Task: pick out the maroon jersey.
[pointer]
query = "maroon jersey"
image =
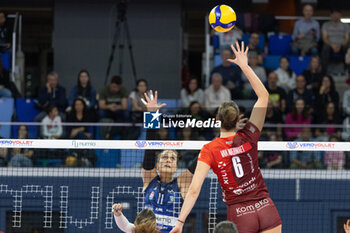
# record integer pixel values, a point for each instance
(235, 161)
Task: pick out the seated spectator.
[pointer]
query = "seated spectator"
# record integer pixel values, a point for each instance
(346, 101)
(228, 38)
(4, 156)
(306, 33)
(254, 48)
(83, 90)
(334, 160)
(306, 159)
(314, 74)
(299, 115)
(326, 93)
(5, 34)
(329, 116)
(345, 135)
(51, 94)
(300, 92)
(273, 116)
(113, 100)
(51, 124)
(286, 77)
(216, 93)
(273, 159)
(225, 227)
(335, 36)
(21, 157)
(231, 74)
(276, 94)
(191, 93)
(258, 70)
(79, 114)
(135, 96)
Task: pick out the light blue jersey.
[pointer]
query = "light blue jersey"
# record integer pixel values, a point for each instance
(165, 201)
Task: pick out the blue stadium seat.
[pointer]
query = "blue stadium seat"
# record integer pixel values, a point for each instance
(280, 44)
(299, 63)
(170, 103)
(107, 158)
(6, 60)
(26, 112)
(272, 62)
(217, 60)
(261, 45)
(131, 158)
(7, 109)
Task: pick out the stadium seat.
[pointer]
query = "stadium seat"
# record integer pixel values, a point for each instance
(261, 45)
(170, 103)
(217, 60)
(131, 158)
(272, 62)
(280, 44)
(7, 109)
(107, 158)
(26, 112)
(299, 63)
(6, 60)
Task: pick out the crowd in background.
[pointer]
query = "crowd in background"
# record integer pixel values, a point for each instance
(309, 98)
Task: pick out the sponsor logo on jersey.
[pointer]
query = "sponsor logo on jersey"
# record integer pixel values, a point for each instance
(242, 188)
(252, 208)
(151, 196)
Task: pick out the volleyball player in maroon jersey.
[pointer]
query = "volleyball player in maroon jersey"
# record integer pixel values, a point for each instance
(234, 159)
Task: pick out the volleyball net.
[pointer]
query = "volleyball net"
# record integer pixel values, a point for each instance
(71, 185)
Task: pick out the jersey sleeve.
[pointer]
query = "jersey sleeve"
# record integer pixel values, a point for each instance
(205, 156)
(251, 132)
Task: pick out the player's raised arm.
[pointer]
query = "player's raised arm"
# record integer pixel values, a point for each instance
(259, 111)
(148, 166)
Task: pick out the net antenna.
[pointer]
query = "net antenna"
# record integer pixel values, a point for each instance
(122, 35)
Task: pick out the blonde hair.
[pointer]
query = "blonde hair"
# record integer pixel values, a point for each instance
(228, 115)
(145, 222)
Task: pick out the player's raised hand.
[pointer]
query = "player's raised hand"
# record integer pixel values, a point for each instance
(151, 101)
(240, 53)
(117, 209)
(347, 226)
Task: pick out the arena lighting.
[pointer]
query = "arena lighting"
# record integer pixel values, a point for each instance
(345, 20)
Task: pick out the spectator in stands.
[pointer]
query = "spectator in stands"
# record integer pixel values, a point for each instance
(4, 156)
(329, 116)
(4, 92)
(346, 101)
(230, 37)
(83, 90)
(345, 135)
(79, 114)
(334, 160)
(113, 100)
(306, 159)
(5, 33)
(306, 33)
(273, 116)
(326, 93)
(299, 115)
(51, 94)
(259, 71)
(135, 96)
(335, 36)
(300, 92)
(225, 227)
(231, 74)
(191, 93)
(51, 124)
(21, 157)
(187, 134)
(216, 93)
(277, 94)
(314, 74)
(273, 159)
(254, 48)
(286, 77)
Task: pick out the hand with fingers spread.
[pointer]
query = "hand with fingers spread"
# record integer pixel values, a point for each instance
(347, 226)
(117, 209)
(241, 55)
(151, 101)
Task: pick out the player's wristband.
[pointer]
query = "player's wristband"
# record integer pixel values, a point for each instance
(193, 165)
(181, 221)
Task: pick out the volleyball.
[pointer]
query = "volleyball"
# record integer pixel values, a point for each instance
(222, 18)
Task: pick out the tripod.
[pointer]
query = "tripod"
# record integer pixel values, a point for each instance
(122, 33)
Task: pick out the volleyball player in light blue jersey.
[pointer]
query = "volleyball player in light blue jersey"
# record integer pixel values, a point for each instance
(163, 192)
